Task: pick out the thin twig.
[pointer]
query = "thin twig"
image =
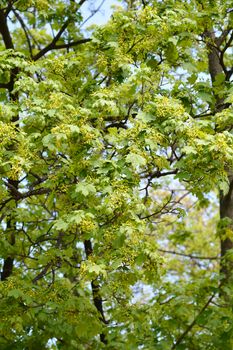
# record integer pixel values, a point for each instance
(189, 255)
(189, 328)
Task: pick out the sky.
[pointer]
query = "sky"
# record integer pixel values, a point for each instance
(101, 16)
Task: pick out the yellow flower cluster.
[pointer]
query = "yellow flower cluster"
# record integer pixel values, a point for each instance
(220, 142)
(55, 100)
(41, 4)
(87, 225)
(166, 108)
(7, 133)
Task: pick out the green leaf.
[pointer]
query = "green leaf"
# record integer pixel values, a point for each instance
(85, 189)
(135, 159)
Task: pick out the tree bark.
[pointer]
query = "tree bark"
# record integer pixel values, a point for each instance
(226, 200)
(98, 302)
(226, 211)
(11, 228)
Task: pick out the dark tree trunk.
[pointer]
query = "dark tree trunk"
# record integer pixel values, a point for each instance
(98, 302)
(226, 200)
(12, 183)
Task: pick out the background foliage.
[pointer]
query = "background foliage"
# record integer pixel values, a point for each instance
(114, 148)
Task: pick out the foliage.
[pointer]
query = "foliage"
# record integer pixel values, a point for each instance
(112, 153)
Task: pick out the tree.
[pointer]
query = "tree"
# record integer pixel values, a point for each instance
(114, 151)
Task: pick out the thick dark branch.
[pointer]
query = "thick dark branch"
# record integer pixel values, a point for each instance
(203, 115)
(229, 74)
(215, 67)
(144, 3)
(98, 302)
(158, 173)
(4, 85)
(222, 52)
(4, 203)
(9, 7)
(222, 37)
(9, 261)
(228, 44)
(39, 180)
(7, 268)
(36, 192)
(4, 30)
(81, 2)
(117, 125)
(72, 44)
(42, 273)
(7, 39)
(51, 46)
(17, 195)
(54, 46)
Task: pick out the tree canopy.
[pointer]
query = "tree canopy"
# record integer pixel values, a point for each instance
(116, 159)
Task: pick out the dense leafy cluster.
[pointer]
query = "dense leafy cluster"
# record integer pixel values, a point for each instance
(113, 149)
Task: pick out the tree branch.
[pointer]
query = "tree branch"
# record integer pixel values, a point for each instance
(158, 211)
(98, 302)
(222, 37)
(189, 255)
(93, 13)
(42, 273)
(81, 2)
(54, 46)
(17, 195)
(222, 52)
(9, 7)
(51, 46)
(229, 74)
(23, 25)
(189, 328)
(4, 85)
(73, 43)
(4, 30)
